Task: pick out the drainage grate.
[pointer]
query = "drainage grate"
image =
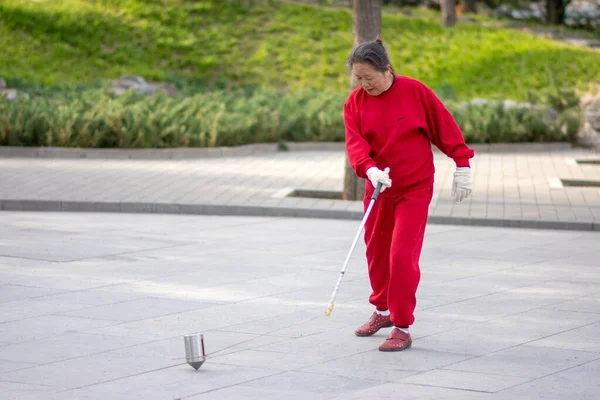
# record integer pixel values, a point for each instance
(580, 182)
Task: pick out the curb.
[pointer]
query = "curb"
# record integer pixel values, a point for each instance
(166, 153)
(241, 151)
(256, 211)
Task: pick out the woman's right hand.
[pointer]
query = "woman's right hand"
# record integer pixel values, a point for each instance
(376, 175)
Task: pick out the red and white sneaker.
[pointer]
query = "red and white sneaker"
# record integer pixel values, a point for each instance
(396, 341)
(375, 323)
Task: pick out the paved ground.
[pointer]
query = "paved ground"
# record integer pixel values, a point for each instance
(94, 306)
(522, 185)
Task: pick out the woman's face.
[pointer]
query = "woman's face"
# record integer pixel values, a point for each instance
(373, 81)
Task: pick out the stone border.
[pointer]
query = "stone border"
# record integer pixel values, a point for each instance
(521, 147)
(239, 151)
(164, 154)
(143, 154)
(224, 210)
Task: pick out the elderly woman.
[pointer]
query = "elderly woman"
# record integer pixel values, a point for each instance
(391, 122)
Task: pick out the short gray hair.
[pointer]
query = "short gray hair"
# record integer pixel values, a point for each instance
(372, 53)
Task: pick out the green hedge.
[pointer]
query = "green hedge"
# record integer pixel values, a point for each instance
(98, 118)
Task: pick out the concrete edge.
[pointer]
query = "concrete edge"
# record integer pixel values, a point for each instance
(141, 154)
(255, 211)
(164, 154)
(240, 151)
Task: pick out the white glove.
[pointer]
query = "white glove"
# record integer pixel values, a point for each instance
(462, 184)
(376, 175)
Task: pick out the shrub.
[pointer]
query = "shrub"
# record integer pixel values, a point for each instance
(98, 118)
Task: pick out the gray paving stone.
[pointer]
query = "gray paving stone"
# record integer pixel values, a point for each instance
(29, 308)
(377, 365)
(216, 343)
(7, 365)
(293, 325)
(135, 310)
(475, 286)
(69, 249)
(46, 326)
(18, 292)
(313, 383)
(52, 279)
(18, 391)
(525, 362)
(262, 393)
(481, 382)
(355, 289)
(557, 289)
(527, 312)
(63, 347)
(575, 383)
(217, 317)
(392, 391)
(502, 395)
(492, 306)
(178, 381)
(463, 340)
(543, 322)
(92, 369)
(330, 344)
(583, 338)
(585, 304)
(507, 332)
(266, 359)
(130, 269)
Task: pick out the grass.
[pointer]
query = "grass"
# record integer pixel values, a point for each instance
(272, 44)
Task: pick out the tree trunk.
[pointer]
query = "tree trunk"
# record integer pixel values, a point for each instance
(555, 11)
(367, 20)
(470, 6)
(448, 12)
(367, 26)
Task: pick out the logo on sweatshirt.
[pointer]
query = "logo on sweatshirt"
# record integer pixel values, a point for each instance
(400, 118)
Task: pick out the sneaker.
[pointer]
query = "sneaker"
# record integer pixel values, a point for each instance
(375, 323)
(396, 341)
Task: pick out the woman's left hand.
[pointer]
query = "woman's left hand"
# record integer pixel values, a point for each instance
(462, 185)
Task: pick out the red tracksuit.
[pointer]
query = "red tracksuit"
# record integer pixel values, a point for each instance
(396, 130)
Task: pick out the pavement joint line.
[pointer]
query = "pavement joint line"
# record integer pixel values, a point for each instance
(233, 385)
(125, 377)
(449, 387)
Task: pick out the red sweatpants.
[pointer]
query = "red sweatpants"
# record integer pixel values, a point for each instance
(394, 237)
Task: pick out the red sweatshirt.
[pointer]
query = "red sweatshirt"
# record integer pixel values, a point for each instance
(396, 130)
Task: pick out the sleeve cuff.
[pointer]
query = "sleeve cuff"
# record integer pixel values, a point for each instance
(366, 167)
(462, 162)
